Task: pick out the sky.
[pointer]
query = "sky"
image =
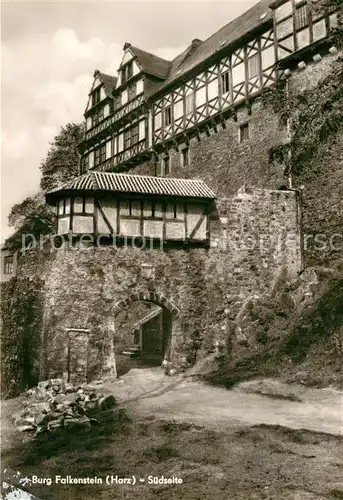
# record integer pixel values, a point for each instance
(49, 51)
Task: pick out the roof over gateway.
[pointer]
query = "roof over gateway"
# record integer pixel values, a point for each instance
(133, 184)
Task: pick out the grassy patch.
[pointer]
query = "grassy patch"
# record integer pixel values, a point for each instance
(211, 464)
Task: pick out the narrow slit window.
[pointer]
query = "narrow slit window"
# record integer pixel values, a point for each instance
(185, 157)
(166, 165)
(244, 132)
(225, 82)
(168, 116)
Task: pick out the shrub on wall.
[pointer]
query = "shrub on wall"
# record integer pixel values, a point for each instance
(21, 315)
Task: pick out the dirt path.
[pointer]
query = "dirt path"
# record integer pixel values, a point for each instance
(258, 451)
(259, 402)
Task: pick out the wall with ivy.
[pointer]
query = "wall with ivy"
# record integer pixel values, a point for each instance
(21, 322)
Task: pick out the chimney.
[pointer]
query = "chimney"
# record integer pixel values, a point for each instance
(195, 43)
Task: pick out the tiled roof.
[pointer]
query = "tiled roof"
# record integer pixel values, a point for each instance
(200, 51)
(135, 184)
(226, 36)
(109, 82)
(151, 64)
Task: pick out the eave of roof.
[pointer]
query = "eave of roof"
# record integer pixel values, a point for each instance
(134, 185)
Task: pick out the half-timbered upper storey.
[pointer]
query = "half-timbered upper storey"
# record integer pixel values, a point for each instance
(132, 206)
(154, 101)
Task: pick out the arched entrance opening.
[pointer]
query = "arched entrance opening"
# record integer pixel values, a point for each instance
(142, 332)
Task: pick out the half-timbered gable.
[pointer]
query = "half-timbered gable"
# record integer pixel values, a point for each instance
(121, 205)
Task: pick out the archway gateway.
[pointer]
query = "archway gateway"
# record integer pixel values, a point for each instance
(143, 331)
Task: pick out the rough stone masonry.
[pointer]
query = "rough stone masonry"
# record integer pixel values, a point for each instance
(255, 236)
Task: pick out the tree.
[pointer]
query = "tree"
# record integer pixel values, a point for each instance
(32, 215)
(61, 163)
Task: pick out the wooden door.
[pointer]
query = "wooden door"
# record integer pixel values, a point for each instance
(152, 337)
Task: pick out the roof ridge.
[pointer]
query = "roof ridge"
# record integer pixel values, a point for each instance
(150, 54)
(93, 179)
(183, 179)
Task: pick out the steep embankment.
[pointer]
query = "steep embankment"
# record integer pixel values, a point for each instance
(300, 344)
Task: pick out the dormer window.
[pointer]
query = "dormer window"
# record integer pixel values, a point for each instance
(96, 96)
(127, 72)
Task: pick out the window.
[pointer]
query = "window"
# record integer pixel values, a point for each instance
(167, 116)
(64, 206)
(84, 163)
(254, 66)
(152, 209)
(165, 165)
(189, 103)
(131, 136)
(158, 121)
(100, 155)
(185, 157)
(127, 72)
(130, 208)
(8, 264)
(83, 205)
(175, 211)
(244, 132)
(61, 207)
(301, 17)
(127, 139)
(135, 134)
(96, 96)
(225, 82)
(98, 117)
(124, 97)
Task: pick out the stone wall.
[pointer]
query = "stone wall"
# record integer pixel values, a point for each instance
(225, 164)
(322, 182)
(254, 238)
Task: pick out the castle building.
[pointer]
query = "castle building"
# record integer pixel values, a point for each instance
(187, 153)
(151, 117)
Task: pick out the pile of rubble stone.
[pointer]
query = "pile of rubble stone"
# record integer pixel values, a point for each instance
(55, 404)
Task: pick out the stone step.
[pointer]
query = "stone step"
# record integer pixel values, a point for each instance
(132, 353)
